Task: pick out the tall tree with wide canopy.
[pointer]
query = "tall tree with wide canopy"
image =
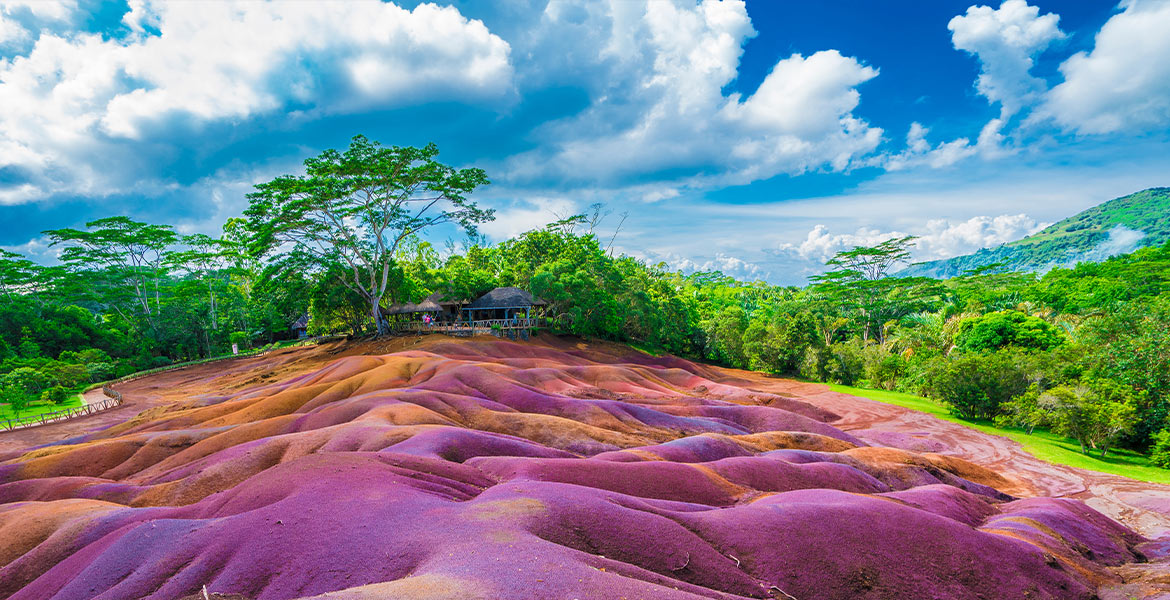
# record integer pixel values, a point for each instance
(129, 257)
(861, 282)
(356, 207)
(16, 273)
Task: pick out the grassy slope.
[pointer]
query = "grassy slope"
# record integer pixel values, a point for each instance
(1146, 211)
(1041, 444)
(38, 407)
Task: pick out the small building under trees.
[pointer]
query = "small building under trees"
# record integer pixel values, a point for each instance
(505, 310)
(301, 327)
(503, 303)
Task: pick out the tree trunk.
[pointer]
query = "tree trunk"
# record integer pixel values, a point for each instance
(379, 320)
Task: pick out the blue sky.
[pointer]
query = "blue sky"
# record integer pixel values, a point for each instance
(754, 138)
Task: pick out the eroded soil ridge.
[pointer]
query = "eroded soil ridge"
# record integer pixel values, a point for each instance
(490, 469)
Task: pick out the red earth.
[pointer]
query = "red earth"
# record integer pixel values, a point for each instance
(479, 468)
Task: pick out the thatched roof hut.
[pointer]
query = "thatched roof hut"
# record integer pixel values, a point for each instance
(505, 297)
(436, 302)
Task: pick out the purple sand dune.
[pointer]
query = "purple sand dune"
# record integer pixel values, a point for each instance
(502, 470)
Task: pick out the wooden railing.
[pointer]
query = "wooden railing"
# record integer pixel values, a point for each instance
(467, 327)
(114, 398)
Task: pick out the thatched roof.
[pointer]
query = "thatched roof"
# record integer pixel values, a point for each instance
(441, 299)
(301, 323)
(433, 303)
(505, 297)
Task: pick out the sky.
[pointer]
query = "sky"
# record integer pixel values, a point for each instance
(755, 138)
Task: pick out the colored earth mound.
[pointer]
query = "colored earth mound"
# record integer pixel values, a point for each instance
(488, 469)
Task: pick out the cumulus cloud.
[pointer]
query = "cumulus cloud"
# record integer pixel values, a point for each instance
(10, 30)
(939, 238)
(1006, 41)
(77, 96)
(1123, 84)
(820, 245)
(800, 118)
(944, 239)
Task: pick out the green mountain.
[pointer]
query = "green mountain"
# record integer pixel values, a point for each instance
(1118, 226)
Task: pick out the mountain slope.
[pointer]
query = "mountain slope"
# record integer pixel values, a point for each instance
(1118, 226)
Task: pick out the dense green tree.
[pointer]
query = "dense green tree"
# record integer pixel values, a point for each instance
(1131, 345)
(859, 282)
(975, 386)
(1094, 412)
(124, 261)
(1007, 328)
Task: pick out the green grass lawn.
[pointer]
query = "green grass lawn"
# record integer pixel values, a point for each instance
(1041, 444)
(35, 409)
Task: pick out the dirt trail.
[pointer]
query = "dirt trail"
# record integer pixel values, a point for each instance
(1144, 507)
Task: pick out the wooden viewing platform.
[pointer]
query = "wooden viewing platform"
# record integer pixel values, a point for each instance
(499, 327)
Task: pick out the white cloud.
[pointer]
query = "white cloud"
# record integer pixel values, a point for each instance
(43, 10)
(523, 216)
(671, 115)
(944, 239)
(1124, 83)
(938, 238)
(10, 30)
(722, 262)
(1006, 40)
(73, 97)
(919, 151)
(820, 245)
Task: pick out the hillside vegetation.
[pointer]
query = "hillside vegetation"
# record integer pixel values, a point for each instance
(1115, 227)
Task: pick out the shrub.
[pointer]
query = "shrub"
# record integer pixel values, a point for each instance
(64, 374)
(883, 369)
(25, 380)
(239, 338)
(814, 364)
(1095, 412)
(1024, 411)
(997, 330)
(845, 365)
(1160, 453)
(29, 349)
(16, 399)
(93, 355)
(975, 386)
(99, 371)
(55, 394)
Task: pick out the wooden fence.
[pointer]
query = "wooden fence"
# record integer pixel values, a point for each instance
(488, 326)
(114, 397)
